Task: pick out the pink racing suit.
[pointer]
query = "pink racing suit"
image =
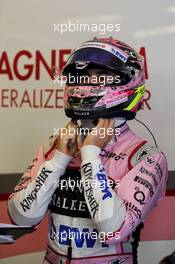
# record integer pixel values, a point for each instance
(96, 200)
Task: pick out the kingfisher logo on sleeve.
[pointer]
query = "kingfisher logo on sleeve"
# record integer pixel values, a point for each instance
(31, 197)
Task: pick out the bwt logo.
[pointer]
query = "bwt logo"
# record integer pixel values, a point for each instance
(84, 237)
(119, 54)
(101, 176)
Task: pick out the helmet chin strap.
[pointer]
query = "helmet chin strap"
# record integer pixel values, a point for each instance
(89, 123)
(119, 121)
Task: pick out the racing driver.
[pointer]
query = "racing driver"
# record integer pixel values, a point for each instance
(98, 190)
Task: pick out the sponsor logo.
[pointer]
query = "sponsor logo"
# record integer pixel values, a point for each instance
(22, 184)
(93, 44)
(134, 209)
(87, 170)
(150, 174)
(145, 183)
(150, 161)
(26, 203)
(91, 200)
(116, 100)
(32, 165)
(70, 205)
(118, 54)
(68, 198)
(82, 238)
(81, 113)
(23, 181)
(101, 176)
(108, 154)
(145, 171)
(159, 170)
(139, 196)
(144, 152)
(118, 260)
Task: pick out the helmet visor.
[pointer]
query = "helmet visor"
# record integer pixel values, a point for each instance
(84, 57)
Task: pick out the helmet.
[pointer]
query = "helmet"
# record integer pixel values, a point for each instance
(121, 97)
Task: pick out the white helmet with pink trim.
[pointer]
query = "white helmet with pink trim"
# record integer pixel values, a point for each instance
(121, 97)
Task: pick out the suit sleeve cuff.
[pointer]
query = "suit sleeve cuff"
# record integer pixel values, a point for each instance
(59, 161)
(90, 152)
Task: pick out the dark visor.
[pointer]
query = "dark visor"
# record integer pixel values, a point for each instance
(96, 56)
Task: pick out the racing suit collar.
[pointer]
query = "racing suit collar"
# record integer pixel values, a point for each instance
(120, 131)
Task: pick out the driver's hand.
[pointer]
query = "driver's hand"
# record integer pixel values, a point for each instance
(67, 142)
(97, 138)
